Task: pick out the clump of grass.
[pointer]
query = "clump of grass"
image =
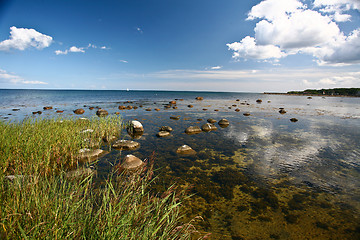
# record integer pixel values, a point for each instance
(42, 202)
(47, 145)
(58, 208)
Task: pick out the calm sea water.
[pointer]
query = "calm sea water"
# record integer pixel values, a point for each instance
(262, 177)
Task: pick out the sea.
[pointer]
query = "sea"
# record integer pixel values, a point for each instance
(266, 175)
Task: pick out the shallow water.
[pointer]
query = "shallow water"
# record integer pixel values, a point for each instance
(262, 177)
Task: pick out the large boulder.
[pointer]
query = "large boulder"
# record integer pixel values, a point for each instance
(193, 130)
(207, 127)
(102, 112)
(135, 127)
(125, 145)
(185, 149)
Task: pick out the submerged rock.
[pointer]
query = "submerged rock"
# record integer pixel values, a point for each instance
(259, 101)
(102, 112)
(79, 111)
(90, 154)
(237, 110)
(163, 134)
(293, 119)
(122, 107)
(165, 128)
(190, 106)
(59, 111)
(199, 98)
(174, 117)
(185, 149)
(81, 173)
(246, 114)
(125, 145)
(224, 123)
(193, 130)
(48, 108)
(207, 127)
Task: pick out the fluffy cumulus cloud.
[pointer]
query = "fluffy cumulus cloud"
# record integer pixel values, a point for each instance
(23, 38)
(11, 78)
(287, 27)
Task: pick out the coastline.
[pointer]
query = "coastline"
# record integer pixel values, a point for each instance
(309, 95)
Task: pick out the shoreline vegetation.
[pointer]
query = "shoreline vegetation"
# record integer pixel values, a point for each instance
(45, 193)
(335, 92)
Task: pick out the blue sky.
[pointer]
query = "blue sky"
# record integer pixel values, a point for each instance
(208, 45)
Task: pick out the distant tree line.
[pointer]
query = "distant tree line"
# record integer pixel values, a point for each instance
(335, 91)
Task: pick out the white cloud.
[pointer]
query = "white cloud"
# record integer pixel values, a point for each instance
(124, 61)
(336, 5)
(59, 52)
(139, 30)
(71, 49)
(23, 38)
(289, 27)
(6, 77)
(76, 49)
(247, 48)
(216, 67)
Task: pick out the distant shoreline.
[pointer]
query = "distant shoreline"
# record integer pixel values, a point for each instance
(308, 94)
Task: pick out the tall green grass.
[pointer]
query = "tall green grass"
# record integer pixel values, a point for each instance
(43, 201)
(58, 208)
(46, 145)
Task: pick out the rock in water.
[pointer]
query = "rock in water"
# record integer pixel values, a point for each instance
(193, 130)
(246, 114)
(185, 149)
(207, 127)
(79, 111)
(199, 98)
(131, 163)
(259, 101)
(211, 120)
(224, 123)
(282, 111)
(174, 117)
(165, 128)
(102, 113)
(163, 134)
(90, 154)
(125, 145)
(135, 129)
(293, 119)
